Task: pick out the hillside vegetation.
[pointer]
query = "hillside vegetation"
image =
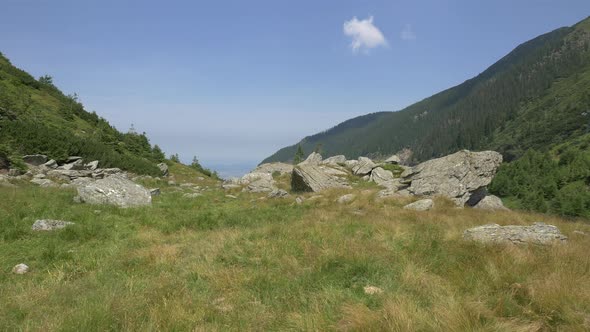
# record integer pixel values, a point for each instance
(536, 97)
(36, 117)
(219, 263)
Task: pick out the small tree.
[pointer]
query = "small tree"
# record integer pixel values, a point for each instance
(298, 155)
(46, 79)
(175, 158)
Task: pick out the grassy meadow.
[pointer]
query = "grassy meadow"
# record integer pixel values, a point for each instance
(215, 263)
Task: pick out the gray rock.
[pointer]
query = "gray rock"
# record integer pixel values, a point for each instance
(229, 186)
(421, 205)
(333, 170)
(308, 177)
(261, 185)
(51, 164)
(350, 163)
(39, 176)
(45, 183)
(20, 269)
(271, 168)
(381, 176)
(538, 233)
(164, 169)
(278, 193)
(14, 172)
(35, 159)
(364, 166)
(231, 196)
(115, 190)
(345, 199)
(334, 160)
(77, 165)
(67, 175)
(155, 192)
(393, 160)
(50, 225)
(313, 159)
(299, 200)
(457, 176)
(72, 159)
(490, 202)
(112, 171)
(93, 165)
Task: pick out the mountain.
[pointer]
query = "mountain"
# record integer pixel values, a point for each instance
(536, 97)
(36, 117)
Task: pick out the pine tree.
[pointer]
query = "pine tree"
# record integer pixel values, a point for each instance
(298, 155)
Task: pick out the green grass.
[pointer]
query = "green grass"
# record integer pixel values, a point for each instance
(216, 263)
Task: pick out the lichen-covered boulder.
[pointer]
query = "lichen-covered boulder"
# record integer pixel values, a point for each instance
(115, 190)
(538, 233)
(307, 177)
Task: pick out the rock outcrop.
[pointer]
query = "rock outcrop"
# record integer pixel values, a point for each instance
(393, 160)
(313, 159)
(307, 177)
(381, 176)
(363, 167)
(461, 176)
(334, 160)
(115, 190)
(270, 168)
(538, 233)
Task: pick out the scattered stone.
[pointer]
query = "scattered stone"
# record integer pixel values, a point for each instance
(393, 160)
(155, 192)
(229, 186)
(171, 183)
(39, 176)
(345, 199)
(35, 159)
(51, 164)
(539, 233)
(299, 200)
(421, 205)
(278, 193)
(313, 159)
(115, 190)
(580, 233)
(200, 178)
(308, 177)
(44, 183)
(20, 269)
(50, 225)
(93, 165)
(458, 176)
(364, 166)
(164, 169)
(231, 196)
(335, 160)
(72, 159)
(192, 195)
(381, 176)
(372, 290)
(490, 202)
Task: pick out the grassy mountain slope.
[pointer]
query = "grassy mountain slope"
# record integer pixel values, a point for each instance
(36, 117)
(535, 96)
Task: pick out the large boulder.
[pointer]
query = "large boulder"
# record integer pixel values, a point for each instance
(334, 160)
(538, 233)
(270, 168)
(306, 177)
(381, 176)
(393, 160)
(364, 166)
(490, 202)
(421, 205)
(115, 190)
(461, 176)
(313, 159)
(35, 159)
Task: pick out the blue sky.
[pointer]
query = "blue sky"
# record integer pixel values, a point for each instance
(233, 81)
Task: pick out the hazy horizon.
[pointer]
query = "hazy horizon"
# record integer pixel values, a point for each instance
(232, 82)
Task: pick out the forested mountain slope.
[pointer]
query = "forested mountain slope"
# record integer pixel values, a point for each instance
(535, 97)
(36, 117)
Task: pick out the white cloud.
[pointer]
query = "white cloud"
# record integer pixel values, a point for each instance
(365, 35)
(407, 33)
